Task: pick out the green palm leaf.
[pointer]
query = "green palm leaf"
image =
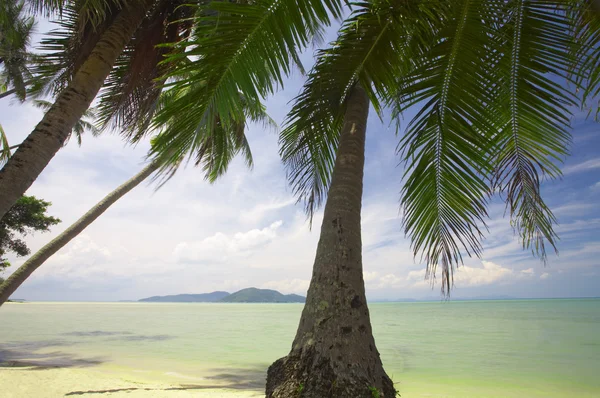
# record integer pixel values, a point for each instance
(585, 27)
(15, 34)
(212, 145)
(445, 192)
(238, 53)
(535, 105)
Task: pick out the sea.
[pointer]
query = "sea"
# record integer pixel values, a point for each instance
(504, 348)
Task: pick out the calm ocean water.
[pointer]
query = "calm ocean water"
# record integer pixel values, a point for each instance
(528, 348)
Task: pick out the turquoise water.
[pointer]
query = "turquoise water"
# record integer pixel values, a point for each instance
(529, 348)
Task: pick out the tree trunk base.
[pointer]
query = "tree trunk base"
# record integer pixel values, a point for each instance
(308, 374)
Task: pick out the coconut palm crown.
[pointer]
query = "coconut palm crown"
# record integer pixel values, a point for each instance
(493, 85)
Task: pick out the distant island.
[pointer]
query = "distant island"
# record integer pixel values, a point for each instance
(249, 295)
(187, 298)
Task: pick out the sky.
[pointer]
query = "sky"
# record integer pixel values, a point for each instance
(246, 230)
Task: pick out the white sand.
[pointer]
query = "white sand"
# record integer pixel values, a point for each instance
(18, 382)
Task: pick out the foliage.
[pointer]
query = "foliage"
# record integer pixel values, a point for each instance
(237, 54)
(26, 216)
(131, 90)
(15, 35)
(374, 392)
(492, 85)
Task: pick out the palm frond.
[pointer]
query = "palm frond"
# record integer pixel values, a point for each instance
(535, 105)
(239, 52)
(212, 145)
(15, 35)
(46, 8)
(67, 47)
(92, 12)
(80, 26)
(584, 20)
(373, 47)
(444, 196)
(132, 89)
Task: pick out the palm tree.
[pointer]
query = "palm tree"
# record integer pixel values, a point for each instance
(101, 32)
(490, 81)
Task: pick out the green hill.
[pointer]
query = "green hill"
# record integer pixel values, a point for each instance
(187, 298)
(254, 295)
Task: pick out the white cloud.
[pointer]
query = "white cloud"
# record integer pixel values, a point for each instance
(575, 209)
(488, 274)
(258, 212)
(81, 257)
(545, 275)
(528, 271)
(584, 166)
(287, 286)
(466, 276)
(370, 276)
(391, 281)
(220, 246)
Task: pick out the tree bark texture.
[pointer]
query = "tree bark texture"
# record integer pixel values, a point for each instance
(50, 134)
(334, 352)
(19, 276)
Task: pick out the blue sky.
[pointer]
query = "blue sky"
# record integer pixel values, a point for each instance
(246, 230)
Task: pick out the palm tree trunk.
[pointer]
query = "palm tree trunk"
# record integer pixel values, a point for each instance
(334, 353)
(25, 270)
(51, 133)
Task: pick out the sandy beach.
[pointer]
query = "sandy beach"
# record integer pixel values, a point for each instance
(28, 382)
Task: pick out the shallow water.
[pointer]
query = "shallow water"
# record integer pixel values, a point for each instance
(528, 348)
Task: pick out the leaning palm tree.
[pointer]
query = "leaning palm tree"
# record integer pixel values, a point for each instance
(215, 148)
(493, 83)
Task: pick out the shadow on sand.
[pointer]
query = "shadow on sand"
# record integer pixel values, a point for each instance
(124, 335)
(231, 379)
(25, 354)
